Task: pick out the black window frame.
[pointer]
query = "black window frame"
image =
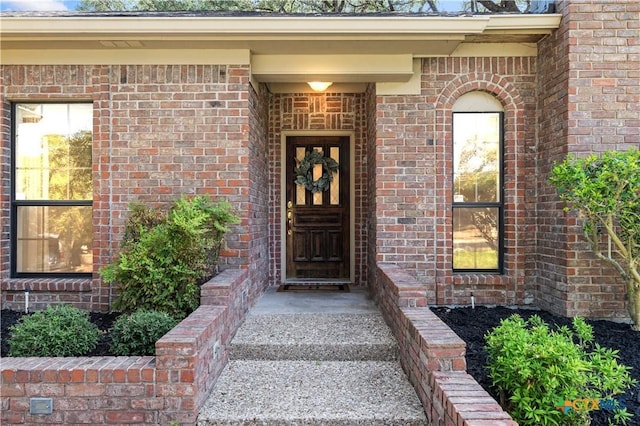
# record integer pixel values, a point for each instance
(499, 205)
(15, 203)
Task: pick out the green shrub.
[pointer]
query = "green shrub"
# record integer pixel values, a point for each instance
(165, 257)
(57, 331)
(137, 333)
(536, 369)
(141, 218)
(605, 190)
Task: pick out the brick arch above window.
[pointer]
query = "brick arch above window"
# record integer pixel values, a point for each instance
(499, 86)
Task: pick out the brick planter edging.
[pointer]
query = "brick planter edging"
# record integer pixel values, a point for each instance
(433, 356)
(170, 387)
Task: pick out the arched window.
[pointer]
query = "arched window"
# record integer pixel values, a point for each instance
(477, 183)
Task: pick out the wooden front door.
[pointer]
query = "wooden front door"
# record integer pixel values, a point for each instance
(317, 223)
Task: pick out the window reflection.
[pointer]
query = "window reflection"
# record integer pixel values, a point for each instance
(53, 188)
(477, 203)
(475, 238)
(53, 156)
(54, 239)
(476, 157)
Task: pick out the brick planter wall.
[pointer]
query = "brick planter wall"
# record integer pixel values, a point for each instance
(170, 387)
(432, 355)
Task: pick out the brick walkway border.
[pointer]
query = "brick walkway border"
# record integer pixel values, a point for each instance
(432, 355)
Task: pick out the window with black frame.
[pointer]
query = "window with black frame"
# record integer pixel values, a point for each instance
(52, 189)
(477, 191)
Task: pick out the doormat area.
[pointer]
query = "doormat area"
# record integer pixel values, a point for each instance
(307, 288)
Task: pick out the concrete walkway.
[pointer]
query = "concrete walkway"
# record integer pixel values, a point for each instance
(323, 358)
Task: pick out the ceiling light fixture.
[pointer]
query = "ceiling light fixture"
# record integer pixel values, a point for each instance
(319, 86)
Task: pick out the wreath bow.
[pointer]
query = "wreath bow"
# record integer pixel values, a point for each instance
(304, 171)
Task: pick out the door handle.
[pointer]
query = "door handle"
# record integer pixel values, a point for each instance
(289, 222)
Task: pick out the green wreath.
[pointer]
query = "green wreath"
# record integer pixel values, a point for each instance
(304, 171)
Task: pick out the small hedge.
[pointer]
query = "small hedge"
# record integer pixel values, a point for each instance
(57, 331)
(554, 377)
(137, 333)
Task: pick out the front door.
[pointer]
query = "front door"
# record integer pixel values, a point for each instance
(317, 215)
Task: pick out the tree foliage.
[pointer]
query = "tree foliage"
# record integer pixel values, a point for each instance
(305, 6)
(605, 190)
(70, 178)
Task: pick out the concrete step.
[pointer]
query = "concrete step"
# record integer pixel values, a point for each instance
(312, 393)
(314, 337)
(313, 359)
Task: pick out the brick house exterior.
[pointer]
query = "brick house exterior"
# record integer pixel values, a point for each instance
(208, 121)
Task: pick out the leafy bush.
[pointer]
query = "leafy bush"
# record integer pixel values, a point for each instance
(57, 331)
(535, 368)
(605, 190)
(136, 334)
(165, 257)
(141, 218)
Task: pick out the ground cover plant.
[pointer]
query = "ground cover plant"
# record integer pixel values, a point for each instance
(126, 341)
(536, 368)
(473, 324)
(56, 331)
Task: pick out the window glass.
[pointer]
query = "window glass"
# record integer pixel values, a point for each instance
(53, 188)
(475, 238)
(476, 157)
(54, 239)
(53, 152)
(477, 191)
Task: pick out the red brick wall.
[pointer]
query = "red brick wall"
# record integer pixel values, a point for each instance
(258, 195)
(318, 112)
(372, 183)
(589, 101)
(413, 157)
(159, 132)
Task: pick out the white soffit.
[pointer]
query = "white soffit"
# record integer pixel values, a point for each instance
(410, 87)
(334, 68)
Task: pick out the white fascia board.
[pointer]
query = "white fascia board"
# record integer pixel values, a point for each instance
(524, 23)
(88, 26)
(125, 56)
(244, 26)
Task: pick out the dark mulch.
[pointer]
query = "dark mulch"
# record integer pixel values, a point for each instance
(472, 325)
(104, 321)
